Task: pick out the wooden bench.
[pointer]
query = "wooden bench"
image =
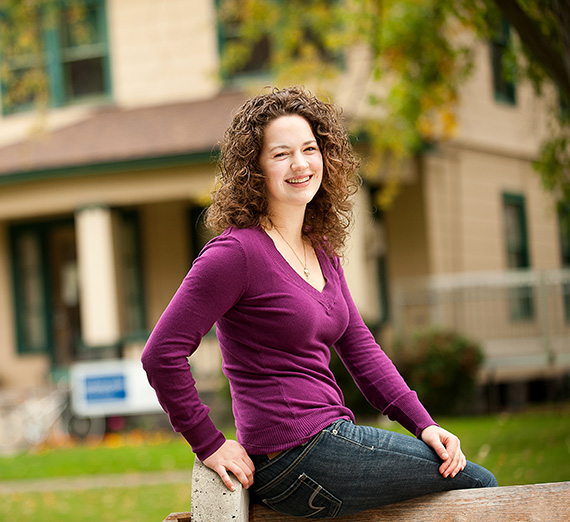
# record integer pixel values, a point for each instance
(213, 502)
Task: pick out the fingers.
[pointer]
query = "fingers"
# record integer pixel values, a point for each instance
(232, 457)
(448, 448)
(226, 479)
(453, 465)
(440, 450)
(456, 461)
(242, 470)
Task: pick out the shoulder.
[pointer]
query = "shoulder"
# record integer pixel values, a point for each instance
(235, 239)
(243, 235)
(232, 247)
(332, 260)
(221, 265)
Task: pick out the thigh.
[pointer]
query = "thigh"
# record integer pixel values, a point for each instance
(370, 467)
(349, 468)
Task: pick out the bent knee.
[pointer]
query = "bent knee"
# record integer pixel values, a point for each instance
(492, 481)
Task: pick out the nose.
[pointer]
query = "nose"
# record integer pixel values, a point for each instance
(299, 163)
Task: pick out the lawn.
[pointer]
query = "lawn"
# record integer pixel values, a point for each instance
(523, 448)
(139, 504)
(130, 453)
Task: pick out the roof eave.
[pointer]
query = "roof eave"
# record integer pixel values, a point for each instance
(117, 166)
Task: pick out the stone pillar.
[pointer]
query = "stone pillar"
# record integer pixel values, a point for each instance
(100, 324)
(213, 501)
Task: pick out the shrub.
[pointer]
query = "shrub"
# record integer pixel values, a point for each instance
(442, 367)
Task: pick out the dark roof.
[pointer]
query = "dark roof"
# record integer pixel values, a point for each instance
(114, 135)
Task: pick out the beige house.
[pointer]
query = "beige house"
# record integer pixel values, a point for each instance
(100, 199)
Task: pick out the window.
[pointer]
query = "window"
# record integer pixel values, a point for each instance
(200, 234)
(59, 54)
(503, 81)
(246, 45)
(376, 244)
(564, 107)
(521, 297)
(242, 56)
(133, 301)
(30, 292)
(564, 228)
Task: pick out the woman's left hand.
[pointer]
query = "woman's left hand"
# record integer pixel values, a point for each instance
(448, 447)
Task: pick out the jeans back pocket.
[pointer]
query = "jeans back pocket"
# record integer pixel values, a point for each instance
(305, 498)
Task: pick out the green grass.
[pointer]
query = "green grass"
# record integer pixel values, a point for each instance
(140, 504)
(170, 454)
(529, 447)
(524, 448)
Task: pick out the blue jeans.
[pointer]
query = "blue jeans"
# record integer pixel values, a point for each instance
(347, 468)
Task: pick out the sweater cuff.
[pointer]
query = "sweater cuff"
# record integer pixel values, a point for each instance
(410, 413)
(204, 438)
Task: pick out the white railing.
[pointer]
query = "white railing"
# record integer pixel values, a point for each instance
(521, 318)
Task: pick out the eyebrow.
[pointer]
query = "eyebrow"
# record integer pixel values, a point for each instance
(272, 149)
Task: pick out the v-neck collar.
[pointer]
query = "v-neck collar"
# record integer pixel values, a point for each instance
(294, 276)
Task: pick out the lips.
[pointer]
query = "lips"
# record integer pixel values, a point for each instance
(298, 181)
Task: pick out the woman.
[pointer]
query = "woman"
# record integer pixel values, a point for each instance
(273, 285)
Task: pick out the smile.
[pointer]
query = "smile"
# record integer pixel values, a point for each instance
(295, 181)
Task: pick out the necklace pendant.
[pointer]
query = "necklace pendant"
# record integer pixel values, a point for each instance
(306, 272)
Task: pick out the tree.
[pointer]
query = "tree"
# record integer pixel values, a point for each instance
(23, 27)
(541, 56)
(415, 64)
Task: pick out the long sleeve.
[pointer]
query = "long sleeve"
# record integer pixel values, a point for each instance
(214, 284)
(375, 374)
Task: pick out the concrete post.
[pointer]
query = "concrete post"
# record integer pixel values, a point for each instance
(100, 323)
(212, 501)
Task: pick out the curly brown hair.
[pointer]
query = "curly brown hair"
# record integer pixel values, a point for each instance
(240, 198)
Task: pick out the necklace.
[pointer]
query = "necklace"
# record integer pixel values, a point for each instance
(304, 265)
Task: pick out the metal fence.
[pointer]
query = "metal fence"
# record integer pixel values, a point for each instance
(521, 318)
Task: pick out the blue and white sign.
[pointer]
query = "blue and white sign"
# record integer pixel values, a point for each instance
(111, 387)
(105, 388)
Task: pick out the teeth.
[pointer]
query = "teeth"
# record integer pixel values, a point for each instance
(299, 180)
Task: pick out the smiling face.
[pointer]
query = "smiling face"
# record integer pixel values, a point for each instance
(292, 164)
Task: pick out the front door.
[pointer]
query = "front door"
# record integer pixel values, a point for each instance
(64, 294)
(46, 290)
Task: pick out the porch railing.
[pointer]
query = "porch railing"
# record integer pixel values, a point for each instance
(521, 318)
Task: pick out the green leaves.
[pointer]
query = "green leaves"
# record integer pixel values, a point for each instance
(397, 64)
(403, 52)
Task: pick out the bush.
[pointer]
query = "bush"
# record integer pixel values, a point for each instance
(442, 367)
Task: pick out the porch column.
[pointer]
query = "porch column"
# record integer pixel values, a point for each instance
(100, 325)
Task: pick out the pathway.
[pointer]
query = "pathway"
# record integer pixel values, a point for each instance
(117, 480)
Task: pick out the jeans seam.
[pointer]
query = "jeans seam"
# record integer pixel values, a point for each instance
(334, 433)
(368, 448)
(422, 459)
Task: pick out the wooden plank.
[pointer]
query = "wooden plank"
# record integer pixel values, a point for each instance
(178, 517)
(536, 503)
(532, 503)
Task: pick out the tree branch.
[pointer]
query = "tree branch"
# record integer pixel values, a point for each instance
(562, 13)
(536, 44)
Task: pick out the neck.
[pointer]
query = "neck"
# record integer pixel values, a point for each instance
(290, 225)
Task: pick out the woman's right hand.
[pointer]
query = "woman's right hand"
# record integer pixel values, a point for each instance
(231, 456)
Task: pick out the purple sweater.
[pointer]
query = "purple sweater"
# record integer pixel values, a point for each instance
(275, 332)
